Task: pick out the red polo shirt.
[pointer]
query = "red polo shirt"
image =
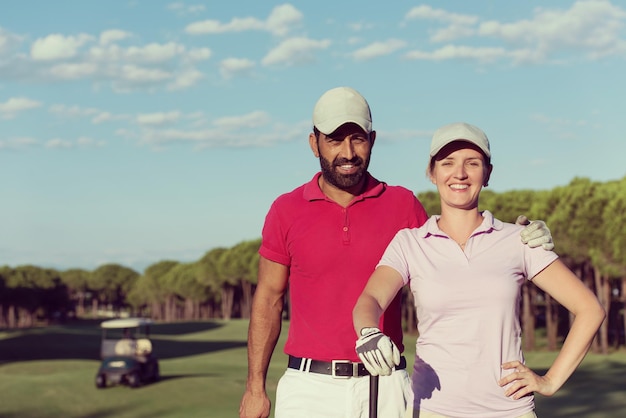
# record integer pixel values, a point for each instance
(331, 252)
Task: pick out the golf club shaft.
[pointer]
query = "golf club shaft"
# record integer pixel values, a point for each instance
(373, 396)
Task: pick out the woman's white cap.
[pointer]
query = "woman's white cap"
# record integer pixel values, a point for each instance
(459, 131)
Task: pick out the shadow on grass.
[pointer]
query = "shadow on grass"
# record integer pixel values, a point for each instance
(183, 376)
(588, 390)
(162, 378)
(111, 412)
(183, 328)
(81, 341)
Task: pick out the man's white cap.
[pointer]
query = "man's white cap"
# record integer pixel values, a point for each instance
(459, 131)
(339, 106)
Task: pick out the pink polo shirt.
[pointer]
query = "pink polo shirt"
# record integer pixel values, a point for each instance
(467, 305)
(331, 252)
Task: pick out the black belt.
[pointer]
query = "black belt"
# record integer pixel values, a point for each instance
(335, 368)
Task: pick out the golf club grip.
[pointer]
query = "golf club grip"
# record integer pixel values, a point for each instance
(373, 396)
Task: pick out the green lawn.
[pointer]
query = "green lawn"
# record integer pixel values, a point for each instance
(49, 372)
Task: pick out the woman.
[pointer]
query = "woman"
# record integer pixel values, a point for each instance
(465, 269)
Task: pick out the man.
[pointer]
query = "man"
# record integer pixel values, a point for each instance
(324, 240)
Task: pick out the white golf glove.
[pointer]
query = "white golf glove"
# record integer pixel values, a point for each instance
(536, 233)
(377, 352)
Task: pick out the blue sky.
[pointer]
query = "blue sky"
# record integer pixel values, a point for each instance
(137, 131)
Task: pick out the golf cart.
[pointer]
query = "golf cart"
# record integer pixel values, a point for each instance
(126, 353)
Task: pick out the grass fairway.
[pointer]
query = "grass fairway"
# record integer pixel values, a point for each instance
(49, 372)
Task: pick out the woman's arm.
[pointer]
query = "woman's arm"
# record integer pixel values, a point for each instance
(559, 282)
(381, 288)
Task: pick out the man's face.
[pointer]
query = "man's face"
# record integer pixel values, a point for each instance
(344, 156)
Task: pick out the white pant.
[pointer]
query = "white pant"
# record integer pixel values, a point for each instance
(311, 395)
(425, 414)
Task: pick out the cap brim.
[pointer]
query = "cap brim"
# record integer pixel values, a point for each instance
(329, 126)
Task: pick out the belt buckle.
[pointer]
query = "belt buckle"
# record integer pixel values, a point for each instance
(333, 369)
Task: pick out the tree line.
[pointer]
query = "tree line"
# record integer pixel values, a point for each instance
(587, 220)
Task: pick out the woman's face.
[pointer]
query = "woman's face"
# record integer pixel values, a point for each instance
(460, 171)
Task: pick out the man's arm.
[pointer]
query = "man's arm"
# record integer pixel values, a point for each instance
(263, 333)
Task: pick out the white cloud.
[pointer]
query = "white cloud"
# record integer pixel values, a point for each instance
(154, 52)
(87, 142)
(72, 111)
(143, 75)
(251, 120)
(448, 52)
(4, 41)
(17, 143)
(130, 80)
(459, 25)
(183, 9)
(294, 51)
(74, 71)
(231, 67)
(14, 105)
(8, 41)
(593, 26)
(427, 12)
(159, 118)
(255, 129)
(215, 26)
(282, 19)
(589, 28)
(55, 143)
(102, 117)
(452, 32)
(168, 65)
(56, 46)
(360, 26)
(563, 129)
(378, 49)
(558, 123)
(58, 143)
(185, 79)
(108, 53)
(161, 136)
(209, 138)
(126, 133)
(176, 6)
(199, 54)
(113, 35)
(96, 116)
(280, 22)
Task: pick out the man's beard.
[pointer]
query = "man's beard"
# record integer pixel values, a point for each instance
(344, 181)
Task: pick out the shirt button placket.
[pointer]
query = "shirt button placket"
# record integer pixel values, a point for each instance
(346, 228)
